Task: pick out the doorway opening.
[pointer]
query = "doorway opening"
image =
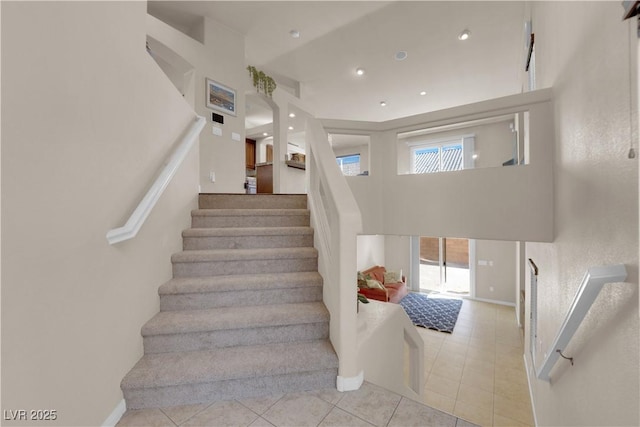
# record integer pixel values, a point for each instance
(445, 265)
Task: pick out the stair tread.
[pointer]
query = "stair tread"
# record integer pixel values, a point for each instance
(246, 231)
(231, 318)
(170, 369)
(240, 282)
(205, 255)
(249, 212)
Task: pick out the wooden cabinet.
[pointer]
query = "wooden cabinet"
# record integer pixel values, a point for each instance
(265, 178)
(250, 153)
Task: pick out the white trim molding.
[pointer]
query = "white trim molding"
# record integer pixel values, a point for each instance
(115, 415)
(350, 383)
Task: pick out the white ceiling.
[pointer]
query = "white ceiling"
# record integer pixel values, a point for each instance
(339, 36)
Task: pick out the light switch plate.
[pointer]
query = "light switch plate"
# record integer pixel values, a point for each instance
(235, 136)
(217, 131)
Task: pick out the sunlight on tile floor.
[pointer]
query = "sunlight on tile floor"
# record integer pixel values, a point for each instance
(477, 373)
(474, 376)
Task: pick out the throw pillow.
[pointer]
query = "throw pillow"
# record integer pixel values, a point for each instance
(393, 276)
(374, 284)
(362, 280)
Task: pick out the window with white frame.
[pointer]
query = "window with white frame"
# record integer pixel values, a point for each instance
(442, 156)
(350, 165)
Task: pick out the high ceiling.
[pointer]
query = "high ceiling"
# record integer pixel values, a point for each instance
(336, 37)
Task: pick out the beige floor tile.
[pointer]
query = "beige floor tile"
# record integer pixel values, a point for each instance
(442, 385)
(261, 422)
(230, 413)
(428, 365)
(514, 409)
(512, 390)
(371, 403)
(339, 418)
(482, 416)
(410, 413)
(439, 401)
(474, 396)
(483, 343)
(455, 348)
(145, 418)
(447, 369)
(298, 409)
(330, 395)
(500, 421)
(479, 378)
(509, 373)
(180, 414)
(510, 361)
(479, 363)
(260, 405)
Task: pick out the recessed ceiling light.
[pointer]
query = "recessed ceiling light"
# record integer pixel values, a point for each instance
(401, 55)
(292, 115)
(294, 34)
(464, 35)
(475, 156)
(423, 93)
(290, 127)
(265, 134)
(383, 104)
(360, 71)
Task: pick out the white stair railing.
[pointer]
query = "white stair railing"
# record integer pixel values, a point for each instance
(337, 222)
(592, 283)
(144, 208)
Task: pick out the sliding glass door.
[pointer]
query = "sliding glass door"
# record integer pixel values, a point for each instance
(445, 265)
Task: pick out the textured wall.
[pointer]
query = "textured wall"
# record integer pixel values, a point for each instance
(88, 119)
(586, 53)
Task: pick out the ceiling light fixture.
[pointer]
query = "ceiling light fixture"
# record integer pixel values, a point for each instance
(383, 104)
(401, 55)
(423, 93)
(292, 115)
(294, 34)
(290, 127)
(464, 35)
(360, 71)
(265, 134)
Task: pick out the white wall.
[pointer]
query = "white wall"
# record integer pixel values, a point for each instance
(499, 203)
(584, 51)
(224, 63)
(88, 119)
(496, 279)
(370, 251)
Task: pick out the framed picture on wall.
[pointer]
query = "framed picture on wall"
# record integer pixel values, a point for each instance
(220, 97)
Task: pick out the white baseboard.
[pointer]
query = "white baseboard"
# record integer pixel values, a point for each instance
(350, 383)
(493, 301)
(115, 415)
(529, 380)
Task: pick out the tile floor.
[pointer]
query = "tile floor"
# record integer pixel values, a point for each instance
(474, 376)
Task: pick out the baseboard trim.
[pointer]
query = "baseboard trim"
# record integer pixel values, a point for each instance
(533, 404)
(350, 383)
(493, 301)
(115, 415)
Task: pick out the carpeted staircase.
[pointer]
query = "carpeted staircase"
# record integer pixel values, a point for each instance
(243, 315)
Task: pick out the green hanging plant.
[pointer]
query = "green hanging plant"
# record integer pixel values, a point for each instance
(261, 81)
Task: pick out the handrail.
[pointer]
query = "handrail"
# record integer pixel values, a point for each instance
(140, 214)
(337, 221)
(594, 280)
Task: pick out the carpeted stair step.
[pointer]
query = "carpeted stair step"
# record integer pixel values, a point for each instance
(193, 330)
(171, 379)
(254, 201)
(247, 238)
(194, 293)
(219, 218)
(243, 261)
